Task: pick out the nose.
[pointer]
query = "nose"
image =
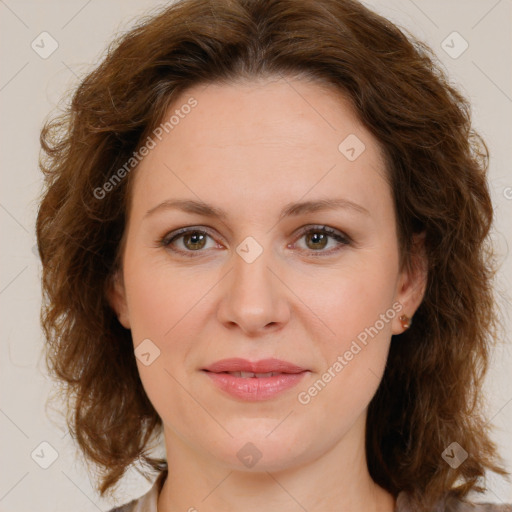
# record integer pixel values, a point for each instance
(254, 296)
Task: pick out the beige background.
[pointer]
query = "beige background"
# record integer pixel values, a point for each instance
(30, 88)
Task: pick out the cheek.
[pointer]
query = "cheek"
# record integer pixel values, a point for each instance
(351, 301)
(163, 305)
(159, 297)
(357, 308)
(365, 297)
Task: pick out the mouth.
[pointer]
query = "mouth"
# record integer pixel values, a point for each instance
(259, 368)
(248, 375)
(254, 381)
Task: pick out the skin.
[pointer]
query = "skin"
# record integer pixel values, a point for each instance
(250, 148)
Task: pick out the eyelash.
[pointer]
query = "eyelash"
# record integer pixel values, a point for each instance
(343, 240)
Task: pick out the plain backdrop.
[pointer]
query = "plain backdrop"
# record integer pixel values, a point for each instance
(30, 88)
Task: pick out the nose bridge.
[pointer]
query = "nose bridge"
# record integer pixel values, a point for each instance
(254, 298)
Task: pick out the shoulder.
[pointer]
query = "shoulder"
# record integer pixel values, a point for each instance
(147, 502)
(125, 508)
(128, 507)
(138, 505)
(479, 507)
(452, 504)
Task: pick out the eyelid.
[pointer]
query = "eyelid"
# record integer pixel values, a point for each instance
(168, 237)
(323, 227)
(341, 237)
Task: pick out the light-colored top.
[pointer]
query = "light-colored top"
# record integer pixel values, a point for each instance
(148, 502)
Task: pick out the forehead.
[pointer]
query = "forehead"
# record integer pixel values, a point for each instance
(280, 111)
(261, 140)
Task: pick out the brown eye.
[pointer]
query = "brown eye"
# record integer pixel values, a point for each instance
(196, 239)
(316, 239)
(192, 241)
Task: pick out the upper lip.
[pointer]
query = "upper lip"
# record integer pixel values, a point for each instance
(238, 364)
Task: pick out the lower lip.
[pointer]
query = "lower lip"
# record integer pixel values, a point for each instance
(255, 388)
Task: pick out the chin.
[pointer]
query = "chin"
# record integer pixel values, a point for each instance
(262, 449)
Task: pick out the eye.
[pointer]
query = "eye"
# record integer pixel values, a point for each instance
(194, 240)
(317, 238)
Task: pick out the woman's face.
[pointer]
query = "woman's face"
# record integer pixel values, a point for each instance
(257, 285)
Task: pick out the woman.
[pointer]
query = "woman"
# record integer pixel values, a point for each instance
(263, 236)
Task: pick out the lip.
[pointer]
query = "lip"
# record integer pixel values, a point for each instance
(254, 388)
(237, 364)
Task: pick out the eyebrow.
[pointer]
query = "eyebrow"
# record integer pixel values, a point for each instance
(291, 209)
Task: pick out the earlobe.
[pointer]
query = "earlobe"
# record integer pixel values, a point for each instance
(412, 284)
(405, 321)
(116, 296)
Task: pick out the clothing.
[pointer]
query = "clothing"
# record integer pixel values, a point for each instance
(148, 502)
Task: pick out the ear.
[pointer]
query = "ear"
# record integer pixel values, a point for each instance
(116, 295)
(412, 282)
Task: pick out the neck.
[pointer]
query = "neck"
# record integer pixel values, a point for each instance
(337, 480)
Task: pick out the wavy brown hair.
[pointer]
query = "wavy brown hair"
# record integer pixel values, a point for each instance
(431, 392)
